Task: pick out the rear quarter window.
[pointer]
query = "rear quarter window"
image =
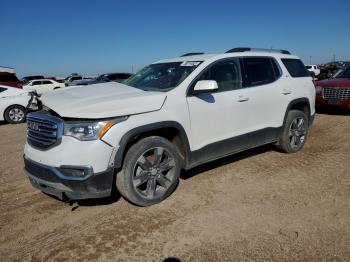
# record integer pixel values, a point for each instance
(2, 89)
(295, 67)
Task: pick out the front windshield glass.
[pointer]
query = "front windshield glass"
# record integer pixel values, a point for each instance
(343, 74)
(161, 77)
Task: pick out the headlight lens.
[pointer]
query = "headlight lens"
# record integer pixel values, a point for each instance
(318, 89)
(87, 131)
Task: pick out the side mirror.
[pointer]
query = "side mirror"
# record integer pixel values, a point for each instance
(205, 86)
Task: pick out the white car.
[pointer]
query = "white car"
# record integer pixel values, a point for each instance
(314, 70)
(41, 86)
(14, 103)
(174, 114)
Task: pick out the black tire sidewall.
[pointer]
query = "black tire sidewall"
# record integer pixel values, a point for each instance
(7, 117)
(124, 178)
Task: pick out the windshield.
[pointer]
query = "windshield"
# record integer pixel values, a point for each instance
(308, 67)
(343, 74)
(161, 77)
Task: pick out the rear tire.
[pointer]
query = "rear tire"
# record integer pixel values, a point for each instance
(150, 171)
(294, 134)
(15, 114)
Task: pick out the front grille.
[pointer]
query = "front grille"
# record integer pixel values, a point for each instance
(43, 130)
(336, 93)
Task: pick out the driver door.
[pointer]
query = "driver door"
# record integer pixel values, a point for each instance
(220, 115)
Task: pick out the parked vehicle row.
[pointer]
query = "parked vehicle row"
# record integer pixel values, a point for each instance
(173, 114)
(111, 77)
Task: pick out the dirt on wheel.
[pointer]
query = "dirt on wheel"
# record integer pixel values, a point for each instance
(257, 205)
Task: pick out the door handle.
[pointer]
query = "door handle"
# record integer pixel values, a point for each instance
(242, 98)
(286, 92)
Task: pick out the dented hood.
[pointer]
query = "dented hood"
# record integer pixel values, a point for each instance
(102, 101)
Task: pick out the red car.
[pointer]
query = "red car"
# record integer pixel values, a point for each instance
(9, 79)
(335, 91)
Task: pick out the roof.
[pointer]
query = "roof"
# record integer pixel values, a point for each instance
(203, 57)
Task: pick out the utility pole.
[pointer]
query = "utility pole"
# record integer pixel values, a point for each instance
(310, 59)
(333, 57)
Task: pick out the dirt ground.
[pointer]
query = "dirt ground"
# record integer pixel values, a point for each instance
(255, 206)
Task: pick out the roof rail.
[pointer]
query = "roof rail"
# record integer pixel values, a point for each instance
(189, 54)
(245, 49)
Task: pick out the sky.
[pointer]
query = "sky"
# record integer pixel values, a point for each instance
(56, 38)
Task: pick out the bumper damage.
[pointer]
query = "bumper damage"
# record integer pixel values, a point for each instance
(69, 182)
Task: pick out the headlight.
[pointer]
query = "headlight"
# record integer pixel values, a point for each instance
(86, 131)
(318, 89)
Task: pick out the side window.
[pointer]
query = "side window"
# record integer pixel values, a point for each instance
(226, 73)
(47, 82)
(2, 89)
(36, 83)
(295, 67)
(259, 71)
(276, 68)
(123, 76)
(76, 78)
(112, 77)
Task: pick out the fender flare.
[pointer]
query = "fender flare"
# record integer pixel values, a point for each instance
(294, 102)
(137, 131)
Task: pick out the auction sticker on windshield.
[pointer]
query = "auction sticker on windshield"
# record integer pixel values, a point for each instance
(190, 63)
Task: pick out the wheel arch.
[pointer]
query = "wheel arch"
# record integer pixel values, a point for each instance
(171, 130)
(301, 104)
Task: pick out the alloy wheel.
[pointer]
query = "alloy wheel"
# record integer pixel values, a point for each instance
(154, 173)
(16, 114)
(297, 133)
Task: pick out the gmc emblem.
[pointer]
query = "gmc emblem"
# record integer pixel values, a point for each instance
(33, 125)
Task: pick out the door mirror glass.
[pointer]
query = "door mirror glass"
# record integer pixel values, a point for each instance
(203, 86)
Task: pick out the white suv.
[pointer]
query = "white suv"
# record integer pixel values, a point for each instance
(173, 114)
(42, 86)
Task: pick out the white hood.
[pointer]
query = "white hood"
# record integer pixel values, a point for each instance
(102, 101)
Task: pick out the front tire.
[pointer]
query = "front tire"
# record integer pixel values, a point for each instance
(294, 134)
(150, 172)
(15, 114)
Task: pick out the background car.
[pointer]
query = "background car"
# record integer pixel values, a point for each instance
(116, 77)
(314, 70)
(76, 82)
(334, 91)
(42, 86)
(9, 79)
(14, 104)
(25, 80)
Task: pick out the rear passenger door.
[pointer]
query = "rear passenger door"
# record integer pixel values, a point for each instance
(263, 87)
(37, 86)
(47, 86)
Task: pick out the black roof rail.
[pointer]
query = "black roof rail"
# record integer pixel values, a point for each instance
(245, 49)
(190, 54)
(239, 49)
